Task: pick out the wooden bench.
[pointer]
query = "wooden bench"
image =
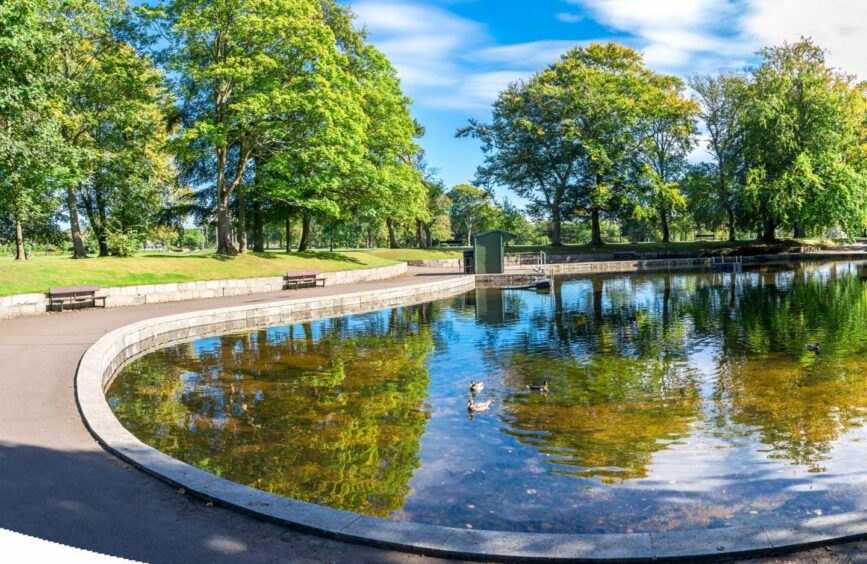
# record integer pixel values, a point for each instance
(74, 295)
(295, 280)
(705, 237)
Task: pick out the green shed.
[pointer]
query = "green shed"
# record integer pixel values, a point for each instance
(490, 251)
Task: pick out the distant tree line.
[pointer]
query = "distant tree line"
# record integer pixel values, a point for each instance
(598, 136)
(278, 123)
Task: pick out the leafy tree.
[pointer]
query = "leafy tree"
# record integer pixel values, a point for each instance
(604, 90)
(666, 130)
(265, 76)
(722, 100)
(531, 147)
(29, 139)
(472, 210)
(123, 108)
(804, 125)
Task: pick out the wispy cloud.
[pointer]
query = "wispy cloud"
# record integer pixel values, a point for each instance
(569, 17)
(449, 62)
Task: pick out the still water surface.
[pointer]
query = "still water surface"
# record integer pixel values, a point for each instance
(677, 400)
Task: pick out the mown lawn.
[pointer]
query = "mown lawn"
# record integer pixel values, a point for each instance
(416, 254)
(40, 273)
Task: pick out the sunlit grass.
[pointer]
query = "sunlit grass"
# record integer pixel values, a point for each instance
(40, 273)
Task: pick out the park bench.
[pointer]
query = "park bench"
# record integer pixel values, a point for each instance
(625, 255)
(705, 237)
(74, 295)
(295, 280)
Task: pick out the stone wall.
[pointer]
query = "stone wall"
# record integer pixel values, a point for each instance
(34, 304)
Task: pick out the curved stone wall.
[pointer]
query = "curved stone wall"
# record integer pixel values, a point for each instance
(103, 360)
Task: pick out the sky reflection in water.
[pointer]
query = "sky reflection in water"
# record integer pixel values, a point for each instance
(677, 400)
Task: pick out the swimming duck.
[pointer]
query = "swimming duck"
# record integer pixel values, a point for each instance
(543, 388)
(474, 406)
(476, 387)
(812, 347)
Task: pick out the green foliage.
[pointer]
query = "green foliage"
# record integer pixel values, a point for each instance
(804, 124)
(123, 244)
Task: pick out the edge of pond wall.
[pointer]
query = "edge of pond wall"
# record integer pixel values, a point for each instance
(101, 362)
(23, 305)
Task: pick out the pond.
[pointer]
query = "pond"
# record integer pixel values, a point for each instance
(676, 401)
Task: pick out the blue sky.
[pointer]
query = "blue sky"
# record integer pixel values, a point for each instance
(454, 56)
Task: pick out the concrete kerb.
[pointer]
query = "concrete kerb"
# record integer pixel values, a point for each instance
(102, 361)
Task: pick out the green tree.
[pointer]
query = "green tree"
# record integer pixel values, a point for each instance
(603, 90)
(122, 111)
(29, 139)
(667, 132)
(722, 100)
(804, 124)
(532, 148)
(472, 210)
(265, 76)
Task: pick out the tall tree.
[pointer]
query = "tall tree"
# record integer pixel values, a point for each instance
(804, 124)
(265, 74)
(29, 141)
(722, 100)
(531, 147)
(603, 91)
(666, 133)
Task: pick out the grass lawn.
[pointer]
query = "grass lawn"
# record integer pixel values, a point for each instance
(416, 254)
(40, 273)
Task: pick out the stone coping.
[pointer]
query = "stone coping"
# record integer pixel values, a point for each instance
(101, 362)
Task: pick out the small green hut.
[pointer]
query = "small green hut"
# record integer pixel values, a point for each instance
(490, 251)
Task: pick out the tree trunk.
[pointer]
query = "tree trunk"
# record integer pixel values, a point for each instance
(428, 236)
(258, 227)
(769, 235)
(392, 239)
(224, 230)
(288, 235)
(666, 232)
(800, 232)
(595, 228)
(556, 225)
(242, 221)
(419, 234)
(74, 225)
(469, 235)
(304, 244)
(731, 219)
(20, 253)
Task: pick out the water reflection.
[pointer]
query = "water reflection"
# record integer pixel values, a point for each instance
(676, 400)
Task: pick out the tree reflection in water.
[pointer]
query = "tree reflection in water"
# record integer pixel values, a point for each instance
(676, 400)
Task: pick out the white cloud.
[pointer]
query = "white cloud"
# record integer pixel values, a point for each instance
(569, 17)
(530, 55)
(449, 62)
(840, 26)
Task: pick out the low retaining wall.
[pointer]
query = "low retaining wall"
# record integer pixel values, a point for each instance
(455, 264)
(122, 296)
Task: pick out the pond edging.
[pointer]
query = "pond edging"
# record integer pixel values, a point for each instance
(103, 360)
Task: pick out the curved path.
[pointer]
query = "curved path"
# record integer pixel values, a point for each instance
(56, 483)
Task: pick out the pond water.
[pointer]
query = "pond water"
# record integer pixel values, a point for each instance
(676, 400)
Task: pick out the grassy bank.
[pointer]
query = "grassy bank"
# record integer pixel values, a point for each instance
(40, 273)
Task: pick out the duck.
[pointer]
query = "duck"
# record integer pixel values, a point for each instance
(543, 388)
(474, 406)
(476, 387)
(813, 347)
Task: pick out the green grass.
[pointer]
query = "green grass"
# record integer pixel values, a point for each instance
(40, 273)
(416, 254)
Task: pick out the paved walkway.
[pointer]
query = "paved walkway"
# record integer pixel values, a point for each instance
(57, 484)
